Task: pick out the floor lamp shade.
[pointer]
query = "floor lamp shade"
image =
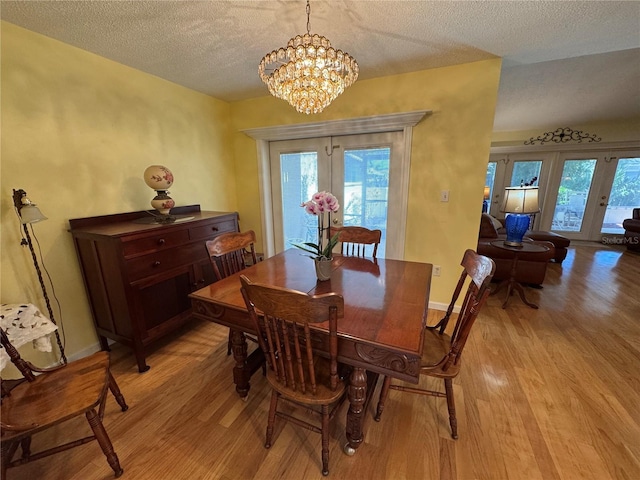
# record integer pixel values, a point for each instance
(31, 214)
(519, 203)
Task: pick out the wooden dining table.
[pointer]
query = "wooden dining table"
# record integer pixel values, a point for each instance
(385, 308)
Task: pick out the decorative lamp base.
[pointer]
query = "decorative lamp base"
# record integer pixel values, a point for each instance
(516, 224)
(323, 268)
(162, 202)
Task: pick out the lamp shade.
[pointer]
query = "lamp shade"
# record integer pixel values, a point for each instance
(520, 200)
(31, 214)
(487, 192)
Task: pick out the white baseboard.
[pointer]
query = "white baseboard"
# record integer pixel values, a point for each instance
(85, 352)
(443, 307)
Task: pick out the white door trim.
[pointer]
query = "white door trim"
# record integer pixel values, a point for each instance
(379, 123)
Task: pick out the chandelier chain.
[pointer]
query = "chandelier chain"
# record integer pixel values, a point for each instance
(308, 15)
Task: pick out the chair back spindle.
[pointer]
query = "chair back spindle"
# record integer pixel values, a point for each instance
(355, 240)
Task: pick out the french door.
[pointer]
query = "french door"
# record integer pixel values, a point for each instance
(365, 172)
(593, 193)
(584, 195)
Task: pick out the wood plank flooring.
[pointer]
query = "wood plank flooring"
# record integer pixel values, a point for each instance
(544, 394)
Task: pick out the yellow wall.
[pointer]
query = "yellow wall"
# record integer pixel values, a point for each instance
(78, 131)
(450, 150)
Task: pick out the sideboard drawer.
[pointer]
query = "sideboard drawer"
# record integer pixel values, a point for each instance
(160, 262)
(213, 229)
(155, 243)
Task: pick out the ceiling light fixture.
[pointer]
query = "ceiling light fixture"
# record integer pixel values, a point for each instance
(309, 73)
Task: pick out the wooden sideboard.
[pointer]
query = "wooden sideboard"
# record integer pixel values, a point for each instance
(138, 275)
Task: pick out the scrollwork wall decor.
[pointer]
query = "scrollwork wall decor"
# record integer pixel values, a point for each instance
(564, 135)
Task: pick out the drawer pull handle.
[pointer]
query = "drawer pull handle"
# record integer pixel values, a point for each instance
(156, 263)
(161, 241)
(215, 229)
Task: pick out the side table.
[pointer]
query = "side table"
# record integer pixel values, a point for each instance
(511, 283)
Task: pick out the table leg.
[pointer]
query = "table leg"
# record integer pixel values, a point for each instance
(513, 285)
(357, 394)
(510, 286)
(240, 374)
(520, 291)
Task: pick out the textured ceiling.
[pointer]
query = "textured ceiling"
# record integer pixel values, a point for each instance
(572, 61)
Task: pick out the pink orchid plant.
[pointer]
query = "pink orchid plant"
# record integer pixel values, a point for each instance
(321, 203)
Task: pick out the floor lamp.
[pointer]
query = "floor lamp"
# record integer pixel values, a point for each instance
(28, 214)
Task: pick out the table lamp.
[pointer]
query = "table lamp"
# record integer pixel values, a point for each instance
(485, 202)
(519, 203)
(160, 179)
(29, 213)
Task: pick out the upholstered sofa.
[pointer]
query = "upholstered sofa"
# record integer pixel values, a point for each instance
(532, 267)
(632, 231)
(560, 242)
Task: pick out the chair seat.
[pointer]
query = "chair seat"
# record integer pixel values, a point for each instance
(323, 396)
(435, 349)
(46, 400)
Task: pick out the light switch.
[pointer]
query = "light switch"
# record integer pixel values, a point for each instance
(444, 196)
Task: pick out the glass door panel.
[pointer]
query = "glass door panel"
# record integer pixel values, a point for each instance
(624, 196)
(366, 189)
(299, 180)
(525, 171)
(489, 181)
(299, 168)
(573, 193)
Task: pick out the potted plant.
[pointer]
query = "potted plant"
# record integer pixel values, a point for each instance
(322, 205)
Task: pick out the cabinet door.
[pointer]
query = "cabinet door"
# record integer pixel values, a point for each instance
(164, 301)
(203, 274)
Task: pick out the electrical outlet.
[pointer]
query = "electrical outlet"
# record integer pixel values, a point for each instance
(436, 270)
(444, 196)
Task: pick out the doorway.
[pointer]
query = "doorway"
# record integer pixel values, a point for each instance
(363, 171)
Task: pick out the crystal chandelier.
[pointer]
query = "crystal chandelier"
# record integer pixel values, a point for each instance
(309, 73)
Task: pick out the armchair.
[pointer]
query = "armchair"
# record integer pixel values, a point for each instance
(632, 231)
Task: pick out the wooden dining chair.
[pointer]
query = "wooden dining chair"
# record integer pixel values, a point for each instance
(230, 253)
(285, 320)
(56, 395)
(354, 240)
(442, 352)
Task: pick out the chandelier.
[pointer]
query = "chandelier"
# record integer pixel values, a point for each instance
(309, 73)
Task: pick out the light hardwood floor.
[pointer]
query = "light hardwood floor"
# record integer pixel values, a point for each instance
(546, 394)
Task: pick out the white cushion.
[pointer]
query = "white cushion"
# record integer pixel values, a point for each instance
(497, 224)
